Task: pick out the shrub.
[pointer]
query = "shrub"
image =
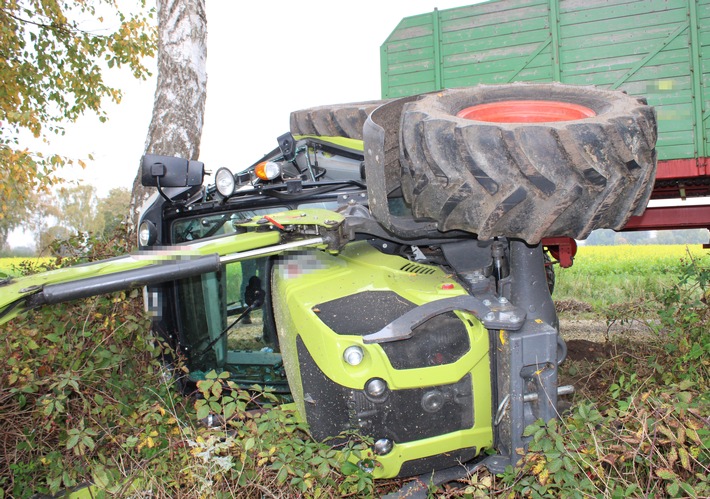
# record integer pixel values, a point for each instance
(649, 435)
(84, 398)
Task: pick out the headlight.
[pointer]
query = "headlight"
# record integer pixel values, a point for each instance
(224, 181)
(267, 170)
(147, 233)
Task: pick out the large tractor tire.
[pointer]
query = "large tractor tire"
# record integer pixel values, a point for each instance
(527, 160)
(337, 120)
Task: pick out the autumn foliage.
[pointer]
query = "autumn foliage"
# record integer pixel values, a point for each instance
(53, 55)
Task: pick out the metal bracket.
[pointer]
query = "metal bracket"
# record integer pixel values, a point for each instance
(500, 316)
(528, 397)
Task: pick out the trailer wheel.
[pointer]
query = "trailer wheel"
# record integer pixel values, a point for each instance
(337, 120)
(527, 160)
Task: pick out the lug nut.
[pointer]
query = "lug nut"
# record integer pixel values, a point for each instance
(383, 446)
(376, 387)
(353, 355)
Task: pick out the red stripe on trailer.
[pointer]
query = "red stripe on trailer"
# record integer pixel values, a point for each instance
(683, 168)
(682, 178)
(671, 217)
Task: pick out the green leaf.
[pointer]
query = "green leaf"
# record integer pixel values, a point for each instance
(686, 384)
(203, 410)
(631, 489)
(88, 442)
(554, 465)
(48, 409)
(348, 468)
(229, 409)
(665, 474)
(100, 477)
(539, 434)
(73, 441)
(583, 411)
(282, 475)
(531, 429)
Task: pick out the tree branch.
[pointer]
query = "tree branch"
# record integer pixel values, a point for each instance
(52, 27)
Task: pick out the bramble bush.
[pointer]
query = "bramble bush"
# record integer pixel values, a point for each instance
(649, 435)
(85, 398)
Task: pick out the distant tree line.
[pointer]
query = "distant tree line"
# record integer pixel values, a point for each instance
(608, 237)
(73, 211)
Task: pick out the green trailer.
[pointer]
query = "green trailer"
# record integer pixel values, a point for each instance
(658, 49)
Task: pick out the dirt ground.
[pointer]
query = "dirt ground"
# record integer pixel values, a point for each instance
(588, 338)
(591, 349)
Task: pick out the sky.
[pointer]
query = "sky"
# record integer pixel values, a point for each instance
(264, 60)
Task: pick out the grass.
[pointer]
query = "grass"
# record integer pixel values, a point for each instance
(608, 276)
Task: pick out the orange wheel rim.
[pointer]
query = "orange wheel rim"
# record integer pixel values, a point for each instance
(526, 111)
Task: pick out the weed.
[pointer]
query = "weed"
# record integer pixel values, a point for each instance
(648, 433)
(84, 399)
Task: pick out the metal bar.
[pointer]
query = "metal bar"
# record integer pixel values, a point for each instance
(528, 397)
(153, 274)
(506, 317)
(555, 39)
(438, 61)
(697, 75)
(671, 217)
(650, 55)
(269, 250)
(532, 57)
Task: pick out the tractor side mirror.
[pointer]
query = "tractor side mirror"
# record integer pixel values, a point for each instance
(169, 171)
(287, 144)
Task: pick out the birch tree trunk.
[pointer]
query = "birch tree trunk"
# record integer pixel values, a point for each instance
(178, 109)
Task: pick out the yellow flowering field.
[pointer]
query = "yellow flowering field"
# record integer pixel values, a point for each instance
(9, 265)
(630, 259)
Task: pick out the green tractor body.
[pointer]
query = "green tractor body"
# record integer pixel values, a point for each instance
(423, 397)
